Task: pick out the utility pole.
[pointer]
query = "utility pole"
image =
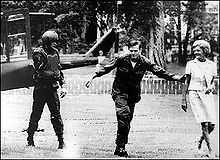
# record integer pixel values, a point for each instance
(116, 13)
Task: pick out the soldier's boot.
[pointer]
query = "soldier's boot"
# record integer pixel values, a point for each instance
(30, 140)
(31, 129)
(61, 142)
(58, 128)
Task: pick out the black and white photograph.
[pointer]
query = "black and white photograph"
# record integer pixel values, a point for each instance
(109, 79)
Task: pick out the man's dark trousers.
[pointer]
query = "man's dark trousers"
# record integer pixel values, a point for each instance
(124, 113)
(41, 96)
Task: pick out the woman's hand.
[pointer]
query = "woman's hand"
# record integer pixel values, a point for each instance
(184, 104)
(209, 90)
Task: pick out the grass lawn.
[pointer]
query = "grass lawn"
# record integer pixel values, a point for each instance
(160, 129)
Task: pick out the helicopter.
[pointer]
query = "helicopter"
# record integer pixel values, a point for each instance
(17, 69)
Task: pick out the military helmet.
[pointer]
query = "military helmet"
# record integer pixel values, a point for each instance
(49, 37)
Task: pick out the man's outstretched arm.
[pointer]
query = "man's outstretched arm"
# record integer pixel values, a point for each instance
(185, 91)
(102, 70)
(162, 73)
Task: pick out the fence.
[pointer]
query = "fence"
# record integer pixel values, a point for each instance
(103, 85)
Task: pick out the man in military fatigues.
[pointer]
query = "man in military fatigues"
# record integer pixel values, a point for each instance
(126, 90)
(47, 79)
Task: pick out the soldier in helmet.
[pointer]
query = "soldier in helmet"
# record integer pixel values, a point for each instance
(47, 79)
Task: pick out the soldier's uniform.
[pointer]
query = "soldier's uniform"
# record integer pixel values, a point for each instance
(126, 90)
(47, 78)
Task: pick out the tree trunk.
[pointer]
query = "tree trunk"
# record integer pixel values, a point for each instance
(84, 28)
(179, 33)
(156, 46)
(185, 45)
(151, 45)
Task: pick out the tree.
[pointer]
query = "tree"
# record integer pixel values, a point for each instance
(156, 48)
(140, 19)
(193, 16)
(173, 9)
(209, 30)
(143, 20)
(77, 19)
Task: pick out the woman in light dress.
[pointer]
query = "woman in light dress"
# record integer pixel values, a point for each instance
(200, 73)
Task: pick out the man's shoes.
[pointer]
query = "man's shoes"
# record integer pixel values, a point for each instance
(30, 141)
(121, 152)
(61, 144)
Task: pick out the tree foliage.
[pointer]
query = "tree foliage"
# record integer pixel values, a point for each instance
(173, 10)
(76, 19)
(193, 16)
(207, 29)
(143, 20)
(138, 17)
(200, 25)
(79, 20)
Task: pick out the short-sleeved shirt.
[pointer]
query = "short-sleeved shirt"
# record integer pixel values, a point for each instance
(201, 74)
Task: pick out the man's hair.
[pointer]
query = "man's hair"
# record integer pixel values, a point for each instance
(134, 43)
(204, 45)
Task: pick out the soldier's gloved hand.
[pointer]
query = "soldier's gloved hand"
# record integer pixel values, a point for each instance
(63, 91)
(57, 75)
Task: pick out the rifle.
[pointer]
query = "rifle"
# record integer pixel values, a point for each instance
(38, 130)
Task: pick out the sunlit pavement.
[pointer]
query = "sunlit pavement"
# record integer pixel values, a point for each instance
(160, 129)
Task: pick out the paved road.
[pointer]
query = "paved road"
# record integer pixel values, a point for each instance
(160, 129)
